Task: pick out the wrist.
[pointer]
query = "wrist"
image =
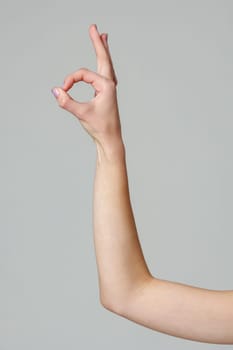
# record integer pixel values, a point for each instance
(110, 151)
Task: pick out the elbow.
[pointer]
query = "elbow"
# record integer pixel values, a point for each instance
(110, 304)
(120, 301)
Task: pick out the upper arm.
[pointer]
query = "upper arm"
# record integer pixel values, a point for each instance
(183, 311)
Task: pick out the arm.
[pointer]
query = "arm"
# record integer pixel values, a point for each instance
(125, 283)
(127, 287)
(120, 261)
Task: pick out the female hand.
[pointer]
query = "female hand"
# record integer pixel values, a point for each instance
(100, 115)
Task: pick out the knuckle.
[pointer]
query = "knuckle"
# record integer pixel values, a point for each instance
(110, 84)
(83, 69)
(102, 56)
(63, 102)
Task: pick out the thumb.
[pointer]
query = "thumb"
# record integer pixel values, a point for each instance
(66, 102)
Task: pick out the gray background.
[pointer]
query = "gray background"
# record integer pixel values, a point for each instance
(174, 62)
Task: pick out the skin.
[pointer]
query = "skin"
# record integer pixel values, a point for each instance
(126, 286)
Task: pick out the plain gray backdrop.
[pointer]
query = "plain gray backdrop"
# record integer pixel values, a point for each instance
(174, 62)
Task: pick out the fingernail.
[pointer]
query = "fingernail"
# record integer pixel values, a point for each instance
(55, 92)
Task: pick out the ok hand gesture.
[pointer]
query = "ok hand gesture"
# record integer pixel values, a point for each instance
(100, 115)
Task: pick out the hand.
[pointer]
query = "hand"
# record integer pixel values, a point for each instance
(100, 115)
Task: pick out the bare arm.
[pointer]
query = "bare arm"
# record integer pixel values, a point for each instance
(120, 260)
(125, 283)
(128, 289)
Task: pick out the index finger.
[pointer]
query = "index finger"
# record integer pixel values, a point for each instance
(84, 74)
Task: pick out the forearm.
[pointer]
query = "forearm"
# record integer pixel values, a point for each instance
(120, 261)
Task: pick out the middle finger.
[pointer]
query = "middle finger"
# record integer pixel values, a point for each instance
(104, 62)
